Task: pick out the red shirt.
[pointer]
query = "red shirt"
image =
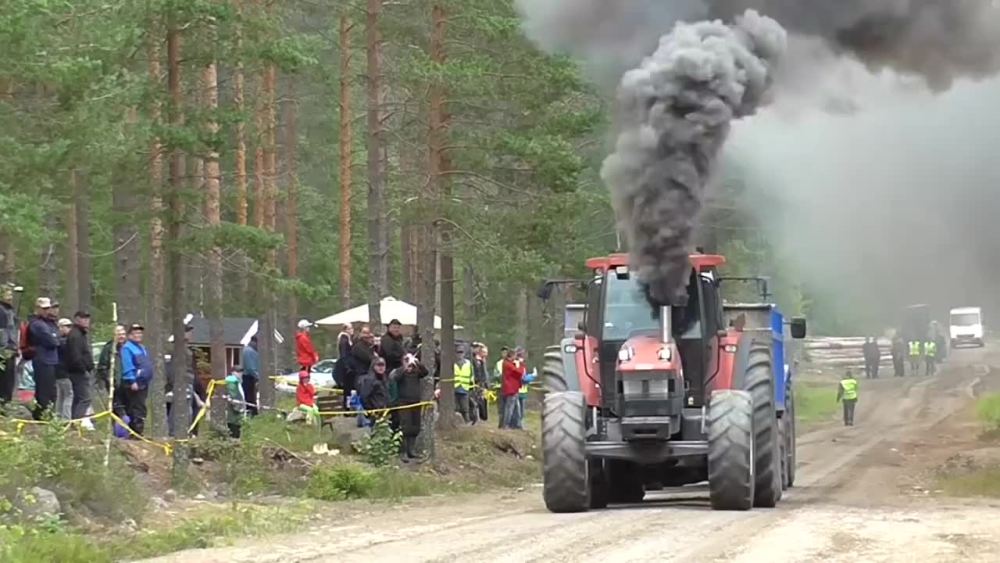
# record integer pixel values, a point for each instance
(512, 375)
(305, 394)
(304, 349)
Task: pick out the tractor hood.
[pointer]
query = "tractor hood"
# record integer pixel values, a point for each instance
(648, 352)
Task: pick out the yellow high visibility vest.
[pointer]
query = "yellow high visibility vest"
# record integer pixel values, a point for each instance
(850, 387)
(930, 348)
(463, 376)
(914, 348)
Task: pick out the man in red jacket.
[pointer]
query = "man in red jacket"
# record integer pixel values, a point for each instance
(513, 374)
(304, 349)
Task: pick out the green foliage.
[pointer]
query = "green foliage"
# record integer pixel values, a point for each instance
(341, 482)
(381, 446)
(30, 545)
(815, 402)
(988, 411)
(73, 468)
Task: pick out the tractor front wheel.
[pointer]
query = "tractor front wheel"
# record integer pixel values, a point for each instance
(553, 371)
(565, 470)
(731, 450)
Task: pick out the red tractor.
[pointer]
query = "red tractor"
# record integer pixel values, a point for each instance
(639, 399)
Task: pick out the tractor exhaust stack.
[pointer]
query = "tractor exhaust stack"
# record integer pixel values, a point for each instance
(666, 330)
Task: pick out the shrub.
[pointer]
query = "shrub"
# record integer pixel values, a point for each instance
(381, 446)
(341, 482)
(988, 411)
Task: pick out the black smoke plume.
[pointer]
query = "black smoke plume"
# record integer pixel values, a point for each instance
(675, 111)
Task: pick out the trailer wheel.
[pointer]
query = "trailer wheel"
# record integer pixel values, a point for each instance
(553, 372)
(731, 450)
(565, 470)
(767, 462)
(790, 440)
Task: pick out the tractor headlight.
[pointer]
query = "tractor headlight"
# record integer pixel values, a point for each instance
(664, 354)
(625, 353)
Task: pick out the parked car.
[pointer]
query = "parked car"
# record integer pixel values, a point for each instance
(321, 375)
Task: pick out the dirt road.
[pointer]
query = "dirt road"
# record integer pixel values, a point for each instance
(851, 503)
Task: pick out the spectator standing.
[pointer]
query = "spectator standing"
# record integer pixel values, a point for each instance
(391, 345)
(408, 381)
(9, 336)
(463, 384)
(112, 348)
(43, 350)
(345, 341)
(64, 387)
(137, 374)
(251, 375)
(360, 360)
(481, 380)
(80, 365)
(374, 391)
(898, 354)
(498, 377)
(304, 350)
(522, 392)
(513, 375)
(236, 406)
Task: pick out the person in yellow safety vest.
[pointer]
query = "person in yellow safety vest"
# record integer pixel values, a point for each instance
(847, 393)
(915, 354)
(497, 383)
(930, 356)
(463, 384)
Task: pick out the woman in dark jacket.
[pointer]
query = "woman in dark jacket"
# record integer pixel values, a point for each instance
(408, 380)
(345, 341)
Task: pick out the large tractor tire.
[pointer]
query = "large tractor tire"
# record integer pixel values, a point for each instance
(731, 450)
(565, 471)
(553, 372)
(759, 383)
(790, 440)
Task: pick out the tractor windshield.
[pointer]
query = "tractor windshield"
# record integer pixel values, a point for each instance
(626, 310)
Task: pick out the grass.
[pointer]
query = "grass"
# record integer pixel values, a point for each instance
(21, 545)
(815, 402)
(983, 482)
(988, 411)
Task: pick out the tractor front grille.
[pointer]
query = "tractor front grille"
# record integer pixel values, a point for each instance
(650, 394)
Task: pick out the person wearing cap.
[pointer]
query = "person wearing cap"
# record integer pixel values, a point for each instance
(137, 374)
(80, 364)
(43, 338)
(391, 345)
(64, 387)
(9, 336)
(304, 349)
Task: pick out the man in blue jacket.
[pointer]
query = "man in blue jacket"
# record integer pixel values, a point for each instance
(137, 374)
(43, 336)
(251, 375)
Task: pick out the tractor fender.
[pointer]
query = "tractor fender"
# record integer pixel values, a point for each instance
(733, 365)
(568, 350)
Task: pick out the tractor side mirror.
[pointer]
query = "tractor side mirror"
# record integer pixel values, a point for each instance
(545, 292)
(798, 326)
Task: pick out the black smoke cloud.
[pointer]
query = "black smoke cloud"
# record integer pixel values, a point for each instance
(939, 40)
(675, 112)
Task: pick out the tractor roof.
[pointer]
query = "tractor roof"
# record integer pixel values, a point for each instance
(698, 261)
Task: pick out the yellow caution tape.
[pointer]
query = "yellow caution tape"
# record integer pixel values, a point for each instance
(167, 448)
(204, 408)
(373, 411)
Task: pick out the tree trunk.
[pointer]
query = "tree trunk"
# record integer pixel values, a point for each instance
(408, 250)
(424, 297)
(240, 158)
(181, 416)
(157, 274)
(377, 233)
(127, 246)
(346, 159)
(469, 300)
(69, 303)
(49, 263)
(213, 217)
(267, 326)
(292, 200)
(521, 328)
(81, 203)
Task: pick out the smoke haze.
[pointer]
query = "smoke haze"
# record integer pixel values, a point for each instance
(675, 111)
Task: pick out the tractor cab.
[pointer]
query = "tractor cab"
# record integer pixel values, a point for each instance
(631, 336)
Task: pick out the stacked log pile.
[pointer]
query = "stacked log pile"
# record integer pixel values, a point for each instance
(843, 352)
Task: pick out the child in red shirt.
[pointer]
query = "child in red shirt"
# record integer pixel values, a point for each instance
(305, 399)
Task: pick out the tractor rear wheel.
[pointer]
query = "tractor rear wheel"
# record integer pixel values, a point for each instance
(553, 372)
(565, 470)
(767, 440)
(790, 440)
(731, 450)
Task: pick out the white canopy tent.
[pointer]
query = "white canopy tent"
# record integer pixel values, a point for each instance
(390, 308)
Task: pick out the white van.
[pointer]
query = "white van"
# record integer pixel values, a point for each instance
(966, 326)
